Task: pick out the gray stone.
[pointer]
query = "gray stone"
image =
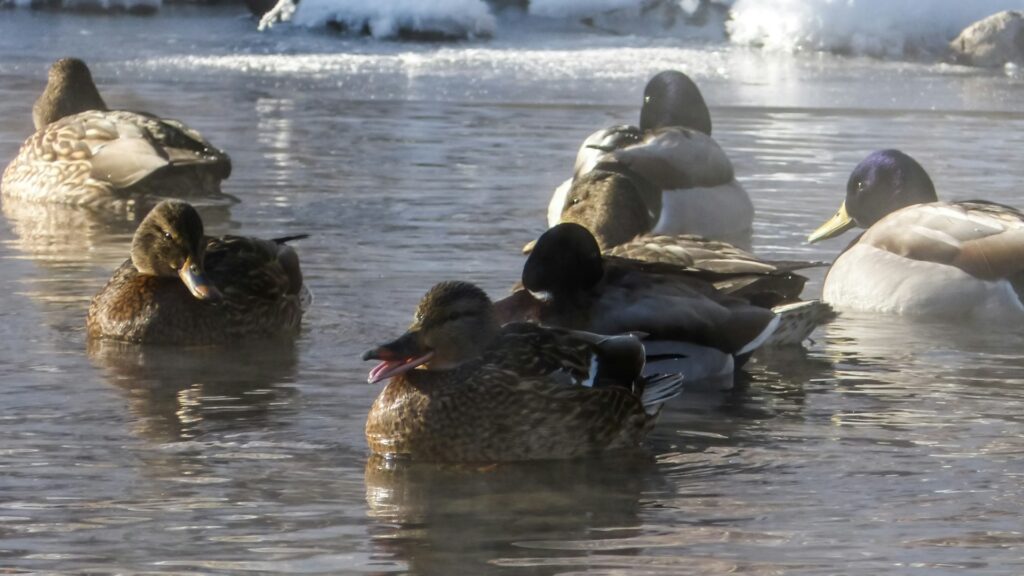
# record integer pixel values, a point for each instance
(992, 41)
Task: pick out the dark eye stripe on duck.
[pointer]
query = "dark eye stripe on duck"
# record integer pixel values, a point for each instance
(427, 323)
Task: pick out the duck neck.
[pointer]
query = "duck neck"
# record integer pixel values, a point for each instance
(62, 99)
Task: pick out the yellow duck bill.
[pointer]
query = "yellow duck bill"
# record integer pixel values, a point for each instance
(835, 226)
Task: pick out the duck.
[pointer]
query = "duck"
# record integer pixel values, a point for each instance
(695, 189)
(608, 201)
(181, 287)
(919, 256)
(567, 282)
(462, 387)
(85, 154)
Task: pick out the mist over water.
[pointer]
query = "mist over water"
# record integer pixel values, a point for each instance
(887, 446)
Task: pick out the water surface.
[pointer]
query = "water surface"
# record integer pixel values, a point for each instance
(887, 446)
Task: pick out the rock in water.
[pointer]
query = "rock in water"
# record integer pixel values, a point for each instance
(992, 41)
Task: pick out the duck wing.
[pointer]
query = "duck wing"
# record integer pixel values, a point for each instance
(674, 158)
(583, 358)
(984, 239)
(253, 268)
(182, 145)
(677, 307)
(743, 274)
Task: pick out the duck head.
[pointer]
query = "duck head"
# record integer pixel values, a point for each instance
(69, 90)
(170, 242)
(614, 205)
(885, 181)
(454, 323)
(672, 99)
(565, 260)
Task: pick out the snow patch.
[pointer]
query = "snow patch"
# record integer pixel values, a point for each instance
(395, 18)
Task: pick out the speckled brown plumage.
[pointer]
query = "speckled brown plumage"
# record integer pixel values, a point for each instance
(259, 283)
(522, 398)
(87, 155)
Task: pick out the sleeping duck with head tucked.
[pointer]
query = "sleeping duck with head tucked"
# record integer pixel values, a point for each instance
(85, 154)
(183, 287)
(693, 187)
(920, 256)
(464, 388)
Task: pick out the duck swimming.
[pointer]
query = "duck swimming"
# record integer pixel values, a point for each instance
(182, 287)
(920, 256)
(464, 388)
(85, 154)
(608, 201)
(695, 188)
(568, 283)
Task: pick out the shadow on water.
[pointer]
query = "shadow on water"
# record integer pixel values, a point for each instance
(443, 519)
(182, 394)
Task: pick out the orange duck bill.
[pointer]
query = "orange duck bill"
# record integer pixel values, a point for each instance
(397, 357)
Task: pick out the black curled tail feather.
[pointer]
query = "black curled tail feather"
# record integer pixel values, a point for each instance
(286, 239)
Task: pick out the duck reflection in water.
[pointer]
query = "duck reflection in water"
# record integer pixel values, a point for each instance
(439, 518)
(181, 394)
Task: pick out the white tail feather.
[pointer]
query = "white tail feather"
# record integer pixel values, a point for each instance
(798, 320)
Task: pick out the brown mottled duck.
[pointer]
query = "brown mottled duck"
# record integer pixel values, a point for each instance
(464, 388)
(182, 287)
(85, 154)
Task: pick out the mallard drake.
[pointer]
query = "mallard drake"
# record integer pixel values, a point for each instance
(920, 256)
(182, 287)
(566, 282)
(465, 388)
(672, 149)
(84, 154)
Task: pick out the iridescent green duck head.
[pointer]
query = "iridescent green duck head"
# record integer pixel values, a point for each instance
(454, 323)
(671, 98)
(170, 242)
(884, 182)
(69, 90)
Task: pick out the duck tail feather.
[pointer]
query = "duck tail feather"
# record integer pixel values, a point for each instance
(286, 239)
(659, 389)
(798, 320)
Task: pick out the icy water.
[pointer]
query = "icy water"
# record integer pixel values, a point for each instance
(888, 447)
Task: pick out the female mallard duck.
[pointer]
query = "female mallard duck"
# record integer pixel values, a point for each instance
(568, 283)
(87, 155)
(465, 388)
(181, 287)
(696, 191)
(919, 256)
(607, 203)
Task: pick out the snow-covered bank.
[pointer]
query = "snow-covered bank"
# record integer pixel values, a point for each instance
(395, 18)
